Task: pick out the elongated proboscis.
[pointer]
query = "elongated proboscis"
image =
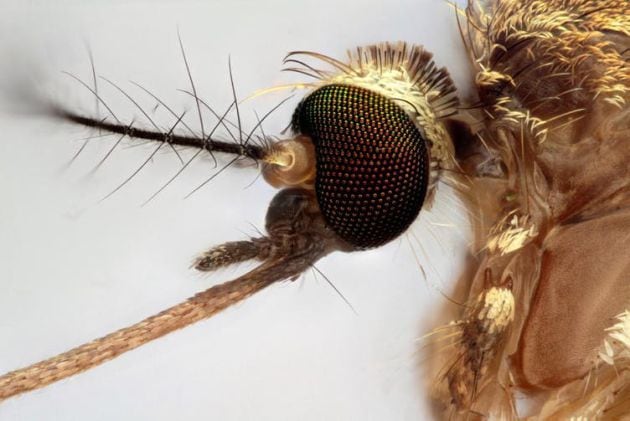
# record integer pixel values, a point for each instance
(98, 351)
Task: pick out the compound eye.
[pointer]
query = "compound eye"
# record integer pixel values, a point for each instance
(372, 162)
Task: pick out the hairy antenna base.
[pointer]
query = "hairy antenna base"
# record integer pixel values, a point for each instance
(290, 163)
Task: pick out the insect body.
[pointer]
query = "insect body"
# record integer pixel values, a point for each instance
(548, 303)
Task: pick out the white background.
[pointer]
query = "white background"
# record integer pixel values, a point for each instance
(72, 269)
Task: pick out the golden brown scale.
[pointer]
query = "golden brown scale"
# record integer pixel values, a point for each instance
(481, 332)
(554, 80)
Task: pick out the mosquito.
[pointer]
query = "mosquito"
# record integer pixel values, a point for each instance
(537, 155)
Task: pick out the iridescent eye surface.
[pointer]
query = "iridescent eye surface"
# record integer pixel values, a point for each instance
(372, 162)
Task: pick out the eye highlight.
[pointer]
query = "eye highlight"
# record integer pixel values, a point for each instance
(372, 163)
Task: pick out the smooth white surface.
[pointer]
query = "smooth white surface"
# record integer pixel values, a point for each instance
(72, 269)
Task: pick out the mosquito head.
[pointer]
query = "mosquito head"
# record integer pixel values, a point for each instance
(369, 140)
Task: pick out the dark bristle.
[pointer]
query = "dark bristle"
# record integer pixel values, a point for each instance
(211, 145)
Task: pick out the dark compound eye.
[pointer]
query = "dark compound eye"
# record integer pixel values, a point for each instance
(372, 162)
